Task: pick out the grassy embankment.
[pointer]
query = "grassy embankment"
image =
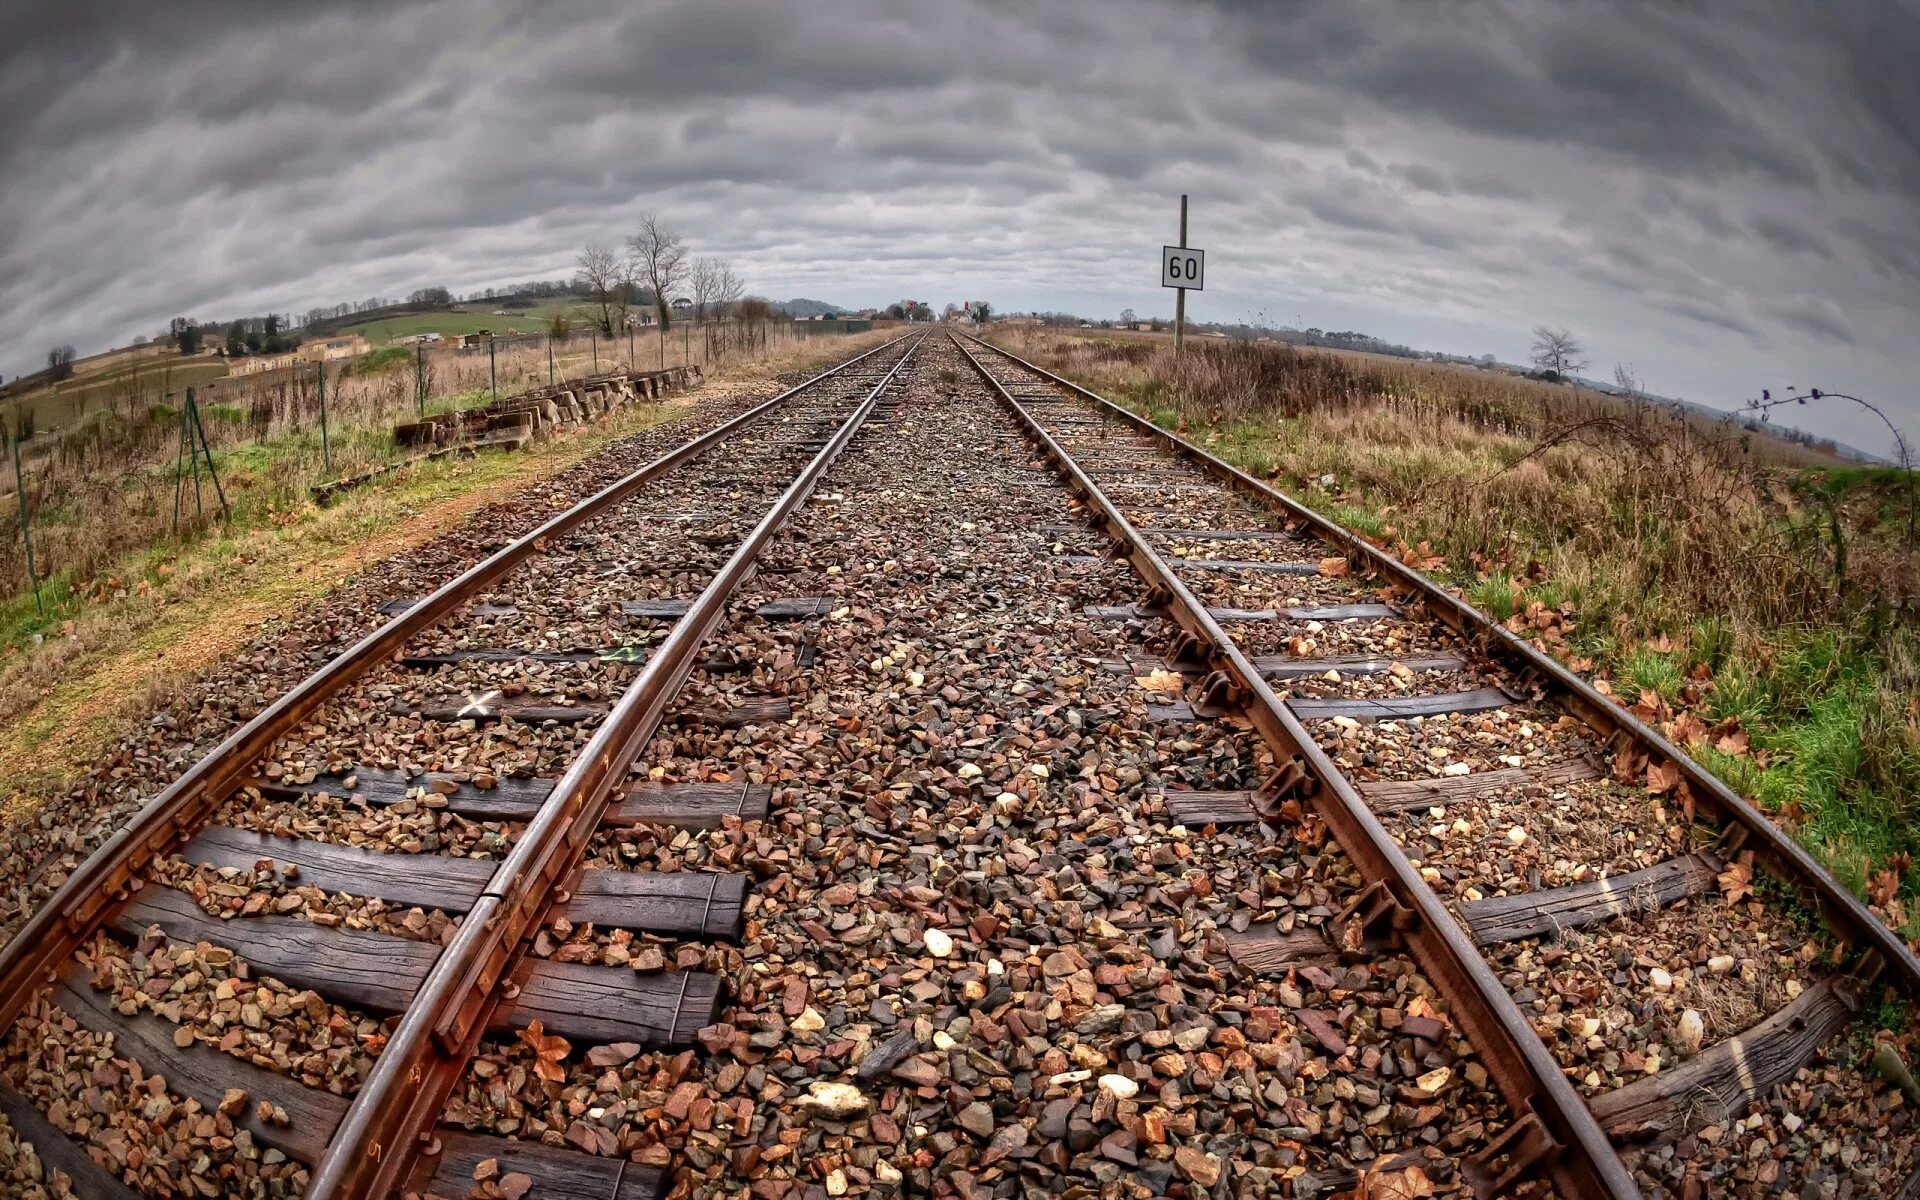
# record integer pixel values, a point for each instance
(118, 641)
(1764, 611)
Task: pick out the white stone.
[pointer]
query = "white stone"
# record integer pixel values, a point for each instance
(1119, 1087)
(939, 943)
(1690, 1031)
(835, 1100)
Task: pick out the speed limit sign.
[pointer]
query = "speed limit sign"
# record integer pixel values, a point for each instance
(1183, 267)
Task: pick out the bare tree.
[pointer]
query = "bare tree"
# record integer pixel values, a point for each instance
(608, 279)
(715, 288)
(727, 290)
(1627, 381)
(60, 362)
(1557, 351)
(660, 260)
(1129, 319)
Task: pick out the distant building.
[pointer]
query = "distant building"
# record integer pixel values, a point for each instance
(424, 339)
(260, 364)
(328, 349)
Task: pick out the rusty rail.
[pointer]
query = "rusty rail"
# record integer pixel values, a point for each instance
(1882, 948)
(374, 1148)
(76, 908)
(1553, 1132)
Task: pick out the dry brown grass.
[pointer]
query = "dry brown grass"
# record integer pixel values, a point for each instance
(1692, 560)
(106, 488)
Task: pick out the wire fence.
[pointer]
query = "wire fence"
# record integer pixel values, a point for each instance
(108, 482)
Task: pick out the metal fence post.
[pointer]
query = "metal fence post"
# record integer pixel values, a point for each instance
(594, 334)
(493, 375)
(420, 378)
(326, 444)
(206, 448)
(26, 521)
(549, 360)
(629, 346)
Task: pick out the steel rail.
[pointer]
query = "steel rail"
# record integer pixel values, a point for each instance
(1553, 1130)
(1774, 849)
(104, 878)
(374, 1149)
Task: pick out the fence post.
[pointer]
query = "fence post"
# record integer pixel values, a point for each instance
(686, 344)
(549, 360)
(663, 343)
(26, 521)
(493, 376)
(629, 346)
(326, 444)
(420, 378)
(594, 334)
(206, 448)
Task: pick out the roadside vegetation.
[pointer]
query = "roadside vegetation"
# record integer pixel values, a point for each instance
(114, 644)
(1755, 600)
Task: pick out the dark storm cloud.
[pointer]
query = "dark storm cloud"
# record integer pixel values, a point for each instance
(1723, 194)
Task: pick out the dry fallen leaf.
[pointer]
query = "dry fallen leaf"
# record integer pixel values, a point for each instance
(1161, 680)
(1382, 1183)
(548, 1052)
(1663, 778)
(1334, 566)
(1737, 880)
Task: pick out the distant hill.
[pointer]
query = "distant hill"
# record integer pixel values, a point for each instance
(811, 308)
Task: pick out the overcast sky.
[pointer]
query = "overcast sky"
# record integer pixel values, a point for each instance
(1721, 195)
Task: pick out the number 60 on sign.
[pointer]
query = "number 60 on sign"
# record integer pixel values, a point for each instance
(1181, 267)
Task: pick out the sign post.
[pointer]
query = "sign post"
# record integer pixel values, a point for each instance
(1181, 268)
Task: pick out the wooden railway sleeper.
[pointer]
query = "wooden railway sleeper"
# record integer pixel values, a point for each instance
(1528, 1148)
(1373, 922)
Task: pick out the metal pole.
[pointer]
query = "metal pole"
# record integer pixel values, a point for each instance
(420, 378)
(595, 335)
(493, 376)
(629, 346)
(663, 343)
(206, 448)
(549, 361)
(1180, 294)
(179, 470)
(326, 444)
(26, 522)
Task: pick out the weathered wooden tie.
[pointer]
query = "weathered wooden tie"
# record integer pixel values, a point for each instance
(1498, 919)
(1725, 1078)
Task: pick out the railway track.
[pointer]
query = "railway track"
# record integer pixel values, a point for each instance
(1692, 1030)
(533, 679)
(853, 821)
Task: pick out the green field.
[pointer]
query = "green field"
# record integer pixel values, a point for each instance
(471, 318)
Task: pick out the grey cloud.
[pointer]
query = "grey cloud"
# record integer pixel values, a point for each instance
(1489, 163)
